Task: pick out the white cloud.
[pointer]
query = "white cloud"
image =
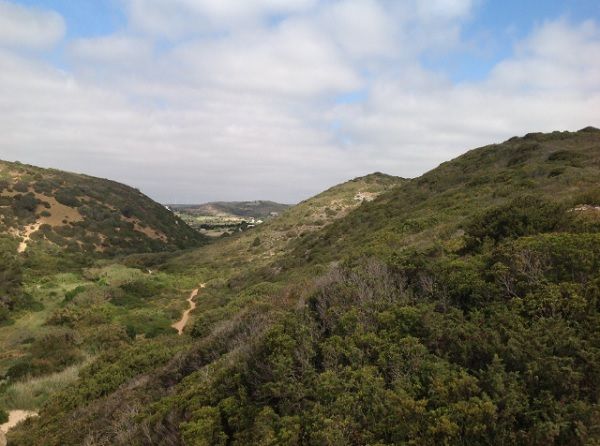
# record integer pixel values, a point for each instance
(556, 56)
(177, 17)
(208, 143)
(425, 119)
(444, 9)
(252, 112)
(24, 27)
(362, 28)
(293, 59)
(115, 49)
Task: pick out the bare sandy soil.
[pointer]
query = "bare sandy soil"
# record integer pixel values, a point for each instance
(180, 325)
(59, 216)
(14, 418)
(29, 230)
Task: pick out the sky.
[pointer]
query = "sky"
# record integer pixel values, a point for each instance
(202, 100)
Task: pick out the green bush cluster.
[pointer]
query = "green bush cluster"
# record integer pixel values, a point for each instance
(48, 354)
(493, 349)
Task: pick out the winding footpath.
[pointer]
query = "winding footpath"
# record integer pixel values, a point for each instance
(180, 325)
(14, 418)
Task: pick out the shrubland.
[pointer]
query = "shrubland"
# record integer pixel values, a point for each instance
(460, 307)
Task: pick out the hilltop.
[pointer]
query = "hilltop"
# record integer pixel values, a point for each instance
(52, 209)
(460, 307)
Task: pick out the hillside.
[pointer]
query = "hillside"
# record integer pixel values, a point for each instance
(218, 219)
(243, 209)
(434, 210)
(54, 222)
(460, 307)
(256, 248)
(102, 307)
(246, 262)
(78, 213)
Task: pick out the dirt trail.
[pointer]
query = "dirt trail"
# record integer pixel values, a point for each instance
(14, 418)
(29, 230)
(180, 325)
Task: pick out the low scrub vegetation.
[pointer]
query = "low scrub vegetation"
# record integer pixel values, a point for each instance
(461, 307)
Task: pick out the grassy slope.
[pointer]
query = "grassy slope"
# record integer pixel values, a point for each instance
(81, 314)
(245, 262)
(257, 249)
(476, 304)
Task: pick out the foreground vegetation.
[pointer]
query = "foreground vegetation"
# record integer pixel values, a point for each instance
(461, 307)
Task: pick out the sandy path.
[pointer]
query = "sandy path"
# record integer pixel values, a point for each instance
(29, 230)
(14, 418)
(180, 325)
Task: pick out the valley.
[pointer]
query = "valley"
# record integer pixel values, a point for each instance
(221, 219)
(459, 307)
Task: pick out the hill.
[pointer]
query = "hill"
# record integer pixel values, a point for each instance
(435, 209)
(221, 218)
(78, 213)
(54, 222)
(90, 307)
(255, 249)
(460, 307)
(258, 209)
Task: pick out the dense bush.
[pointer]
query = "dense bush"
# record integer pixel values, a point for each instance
(24, 205)
(67, 197)
(48, 354)
(376, 359)
(522, 216)
(12, 297)
(70, 295)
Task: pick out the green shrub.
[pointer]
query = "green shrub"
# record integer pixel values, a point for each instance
(21, 187)
(67, 197)
(567, 156)
(24, 204)
(49, 354)
(70, 295)
(523, 216)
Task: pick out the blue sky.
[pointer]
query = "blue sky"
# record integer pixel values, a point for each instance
(492, 30)
(195, 100)
(85, 18)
